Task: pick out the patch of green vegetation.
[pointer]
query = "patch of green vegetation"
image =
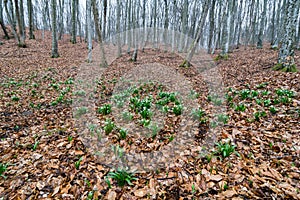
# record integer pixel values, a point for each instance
(259, 114)
(80, 93)
(123, 133)
(145, 122)
(154, 130)
(78, 162)
(240, 107)
(3, 168)
(267, 102)
(15, 98)
(199, 114)
(223, 118)
(283, 68)
(109, 126)
(215, 99)
(122, 176)
(127, 116)
(225, 149)
(262, 85)
(35, 145)
(105, 109)
(178, 109)
(221, 57)
(244, 94)
(272, 109)
(81, 111)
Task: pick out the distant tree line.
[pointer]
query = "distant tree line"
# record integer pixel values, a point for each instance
(212, 24)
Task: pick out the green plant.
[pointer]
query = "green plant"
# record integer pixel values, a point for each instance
(3, 168)
(154, 130)
(225, 149)
(223, 118)
(193, 94)
(265, 93)
(254, 93)
(262, 85)
(273, 110)
(80, 93)
(81, 111)
(240, 107)
(123, 133)
(244, 94)
(259, 114)
(77, 163)
(146, 113)
(70, 138)
(122, 176)
(267, 102)
(15, 98)
(284, 92)
(197, 114)
(127, 116)
(109, 126)
(105, 109)
(171, 138)
(34, 147)
(258, 101)
(178, 109)
(145, 122)
(215, 99)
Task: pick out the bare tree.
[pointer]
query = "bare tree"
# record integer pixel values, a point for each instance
(262, 25)
(20, 25)
(286, 61)
(89, 29)
(30, 19)
(74, 9)
(192, 49)
(54, 53)
(98, 31)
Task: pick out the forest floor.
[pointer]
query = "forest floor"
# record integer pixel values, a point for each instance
(43, 154)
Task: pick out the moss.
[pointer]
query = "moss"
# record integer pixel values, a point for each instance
(222, 57)
(274, 47)
(185, 64)
(281, 67)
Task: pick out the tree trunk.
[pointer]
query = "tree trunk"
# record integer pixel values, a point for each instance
(98, 31)
(262, 25)
(118, 28)
(286, 61)
(273, 23)
(187, 60)
(61, 18)
(30, 19)
(4, 30)
(104, 17)
(211, 25)
(21, 28)
(73, 40)
(89, 29)
(10, 20)
(54, 53)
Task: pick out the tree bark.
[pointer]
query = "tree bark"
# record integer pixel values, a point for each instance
(20, 26)
(262, 25)
(98, 31)
(286, 61)
(30, 19)
(73, 40)
(89, 29)
(192, 49)
(54, 53)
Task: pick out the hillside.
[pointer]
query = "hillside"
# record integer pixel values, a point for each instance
(47, 158)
